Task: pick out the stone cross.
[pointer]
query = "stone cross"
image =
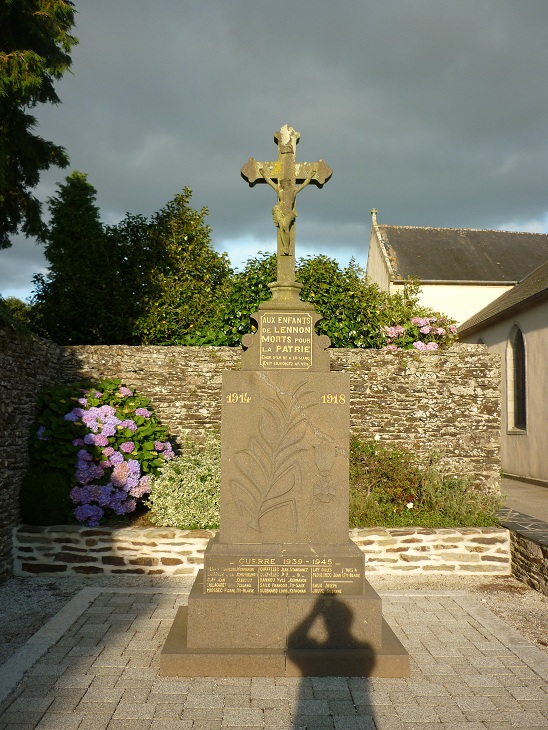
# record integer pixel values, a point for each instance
(287, 177)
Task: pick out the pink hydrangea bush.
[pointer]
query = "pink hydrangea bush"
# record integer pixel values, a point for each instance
(421, 333)
(109, 441)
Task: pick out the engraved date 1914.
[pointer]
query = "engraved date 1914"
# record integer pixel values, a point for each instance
(238, 397)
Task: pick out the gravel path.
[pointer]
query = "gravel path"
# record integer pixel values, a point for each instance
(27, 603)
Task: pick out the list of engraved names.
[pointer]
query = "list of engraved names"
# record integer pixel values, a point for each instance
(282, 576)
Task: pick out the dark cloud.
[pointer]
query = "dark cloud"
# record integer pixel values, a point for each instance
(433, 111)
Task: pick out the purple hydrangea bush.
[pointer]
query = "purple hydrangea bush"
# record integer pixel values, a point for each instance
(109, 441)
(421, 333)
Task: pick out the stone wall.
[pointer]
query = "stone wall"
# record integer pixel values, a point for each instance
(445, 402)
(66, 551)
(183, 383)
(26, 365)
(530, 561)
(448, 404)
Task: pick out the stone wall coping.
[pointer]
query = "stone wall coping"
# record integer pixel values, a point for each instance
(78, 550)
(400, 531)
(163, 532)
(168, 532)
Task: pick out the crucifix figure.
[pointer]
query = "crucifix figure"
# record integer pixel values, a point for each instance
(287, 178)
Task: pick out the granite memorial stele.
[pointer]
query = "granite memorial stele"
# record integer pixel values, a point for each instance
(283, 591)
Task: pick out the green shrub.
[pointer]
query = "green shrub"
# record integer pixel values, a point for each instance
(394, 488)
(388, 487)
(15, 316)
(44, 497)
(185, 493)
(355, 312)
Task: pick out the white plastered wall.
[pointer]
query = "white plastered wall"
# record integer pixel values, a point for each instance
(459, 301)
(524, 453)
(377, 267)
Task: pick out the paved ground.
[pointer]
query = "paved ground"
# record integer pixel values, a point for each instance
(95, 668)
(528, 499)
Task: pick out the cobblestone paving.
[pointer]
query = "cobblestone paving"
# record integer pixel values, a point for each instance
(470, 671)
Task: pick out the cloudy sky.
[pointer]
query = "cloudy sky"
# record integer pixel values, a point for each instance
(433, 111)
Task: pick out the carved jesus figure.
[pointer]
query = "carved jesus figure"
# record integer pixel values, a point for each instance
(287, 178)
(284, 212)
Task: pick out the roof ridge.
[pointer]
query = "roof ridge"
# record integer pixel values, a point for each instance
(479, 230)
(516, 297)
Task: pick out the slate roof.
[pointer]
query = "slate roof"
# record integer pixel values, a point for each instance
(462, 254)
(534, 288)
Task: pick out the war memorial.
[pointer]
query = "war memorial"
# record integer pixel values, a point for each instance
(283, 591)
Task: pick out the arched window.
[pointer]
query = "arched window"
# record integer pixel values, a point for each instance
(516, 380)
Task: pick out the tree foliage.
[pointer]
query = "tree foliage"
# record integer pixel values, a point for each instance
(351, 308)
(354, 310)
(143, 281)
(73, 302)
(178, 274)
(15, 313)
(35, 41)
(158, 281)
(241, 296)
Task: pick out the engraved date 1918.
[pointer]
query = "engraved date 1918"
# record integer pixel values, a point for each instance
(332, 399)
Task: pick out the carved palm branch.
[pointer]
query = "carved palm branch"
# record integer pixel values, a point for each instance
(269, 468)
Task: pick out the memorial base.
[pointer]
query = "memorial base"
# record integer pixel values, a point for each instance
(282, 635)
(177, 660)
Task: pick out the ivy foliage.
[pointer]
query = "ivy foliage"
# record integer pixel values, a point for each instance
(354, 310)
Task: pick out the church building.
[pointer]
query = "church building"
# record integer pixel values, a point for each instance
(460, 270)
(515, 326)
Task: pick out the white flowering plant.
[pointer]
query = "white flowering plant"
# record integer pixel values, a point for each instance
(185, 492)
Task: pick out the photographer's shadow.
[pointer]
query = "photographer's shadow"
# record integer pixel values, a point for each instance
(323, 645)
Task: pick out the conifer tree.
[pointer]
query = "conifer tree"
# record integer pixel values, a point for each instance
(72, 302)
(35, 41)
(145, 280)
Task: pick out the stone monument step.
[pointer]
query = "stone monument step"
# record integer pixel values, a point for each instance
(268, 569)
(178, 660)
(297, 621)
